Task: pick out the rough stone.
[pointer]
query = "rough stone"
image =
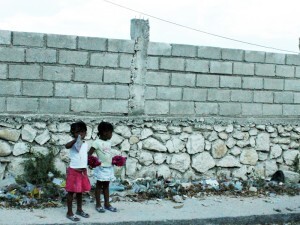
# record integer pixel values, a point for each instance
(28, 133)
(5, 149)
(123, 131)
(219, 149)
(174, 145)
(146, 133)
(229, 161)
(20, 149)
(10, 134)
(249, 156)
(202, 162)
(146, 158)
(289, 156)
(153, 144)
(43, 138)
(195, 144)
(263, 142)
(276, 151)
(180, 162)
(159, 158)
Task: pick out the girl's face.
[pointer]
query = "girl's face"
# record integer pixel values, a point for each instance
(106, 135)
(81, 133)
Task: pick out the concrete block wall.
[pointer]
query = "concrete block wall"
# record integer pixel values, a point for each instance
(198, 80)
(59, 74)
(73, 75)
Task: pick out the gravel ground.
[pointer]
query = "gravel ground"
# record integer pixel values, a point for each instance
(192, 211)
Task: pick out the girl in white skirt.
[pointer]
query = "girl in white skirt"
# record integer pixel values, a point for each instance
(105, 172)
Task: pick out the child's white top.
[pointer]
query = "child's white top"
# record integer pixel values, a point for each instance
(79, 158)
(103, 151)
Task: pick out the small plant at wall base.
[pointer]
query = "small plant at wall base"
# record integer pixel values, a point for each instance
(37, 168)
(296, 164)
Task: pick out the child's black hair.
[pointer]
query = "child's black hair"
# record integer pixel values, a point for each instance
(78, 127)
(104, 127)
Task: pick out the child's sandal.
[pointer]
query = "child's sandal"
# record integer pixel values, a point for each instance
(110, 208)
(83, 214)
(100, 209)
(73, 218)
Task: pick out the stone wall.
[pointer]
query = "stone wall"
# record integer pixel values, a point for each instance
(179, 110)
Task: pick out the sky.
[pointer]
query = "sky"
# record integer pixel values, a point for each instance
(272, 23)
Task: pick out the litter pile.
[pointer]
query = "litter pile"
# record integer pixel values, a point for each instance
(53, 194)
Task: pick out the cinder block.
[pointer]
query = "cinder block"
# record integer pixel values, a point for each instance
(100, 91)
(285, 71)
(293, 59)
(196, 65)
(12, 54)
(26, 72)
(115, 45)
(92, 43)
(241, 96)
(117, 76)
(230, 109)
(126, 60)
(88, 75)
(265, 69)
(37, 88)
(291, 110)
(207, 80)
(254, 56)
(57, 73)
(28, 39)
(292, 85)
(240, 68)
(157, 78)
(204, 108)
(167, 93)
(283, 97)
(251, 109)
(263, 96)
(85, 105)
(276, 58)
(218, 95)
(184, 50)
(73, 57)
(209, 52)
(41, 55)
(61, 41)
(221, 67)
(5, 37)
(232, 54)
(273, 84)
(10, 87)
(296, 97)
(252, 83)
(69, 90)
(150, 93)
(159, 49)
(54, 105)
(122, 91)
(194, 94)
(183, 79)
(156, 107)
(104, 59)
(297, 72)
(182, 108)
(114, 106)
(22, 104)
(152, 63)
(272, 110)
(230, 82)
(3, 71)
(172, 64)
(2, 105)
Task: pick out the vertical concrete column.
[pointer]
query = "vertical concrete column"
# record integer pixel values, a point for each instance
(139, 32)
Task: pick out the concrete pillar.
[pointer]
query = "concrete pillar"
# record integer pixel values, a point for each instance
(139, 32)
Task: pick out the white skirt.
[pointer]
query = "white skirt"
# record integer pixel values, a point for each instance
(104, 173)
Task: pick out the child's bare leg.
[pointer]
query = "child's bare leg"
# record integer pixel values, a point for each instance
(106, 193)
(98, 193)
(69, 203)
(79, 202)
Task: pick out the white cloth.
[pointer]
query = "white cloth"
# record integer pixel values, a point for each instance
(104, 173)
(78, 159)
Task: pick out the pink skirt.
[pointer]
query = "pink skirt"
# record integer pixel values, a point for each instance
(77, 181)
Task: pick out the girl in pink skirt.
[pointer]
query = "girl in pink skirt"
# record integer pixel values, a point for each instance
(77, 180)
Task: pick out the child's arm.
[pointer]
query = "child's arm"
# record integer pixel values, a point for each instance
(70, 144)
(91, 151)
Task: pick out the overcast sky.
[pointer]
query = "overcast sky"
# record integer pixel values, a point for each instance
(274, 23)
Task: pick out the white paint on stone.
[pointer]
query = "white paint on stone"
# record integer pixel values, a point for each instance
(202, 162)
(154, 145)
(195, 144)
